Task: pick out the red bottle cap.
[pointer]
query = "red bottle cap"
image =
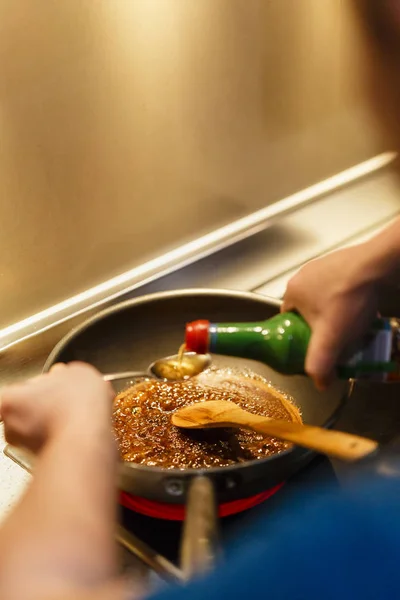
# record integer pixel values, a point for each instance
(196, 338)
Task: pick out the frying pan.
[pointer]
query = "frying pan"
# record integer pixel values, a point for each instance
(131, 335)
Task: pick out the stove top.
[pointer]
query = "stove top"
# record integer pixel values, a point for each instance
(164, 537)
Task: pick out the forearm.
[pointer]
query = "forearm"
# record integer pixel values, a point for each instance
(61, 536)
(116, 590)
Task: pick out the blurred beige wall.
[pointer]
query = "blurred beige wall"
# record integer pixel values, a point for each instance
(128, 127)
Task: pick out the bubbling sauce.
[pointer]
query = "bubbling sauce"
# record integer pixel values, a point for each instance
(145, 434)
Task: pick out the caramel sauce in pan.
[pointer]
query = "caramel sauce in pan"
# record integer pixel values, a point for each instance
(145, 435)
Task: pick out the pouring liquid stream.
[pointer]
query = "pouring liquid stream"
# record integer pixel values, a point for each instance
(181, 353)
(179, 366)
(175, 368)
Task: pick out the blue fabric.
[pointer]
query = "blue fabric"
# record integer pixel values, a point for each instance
(322, 545)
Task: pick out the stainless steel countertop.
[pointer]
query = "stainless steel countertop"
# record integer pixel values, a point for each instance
(348, 199)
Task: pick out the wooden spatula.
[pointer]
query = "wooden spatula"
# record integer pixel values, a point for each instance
(221, 413)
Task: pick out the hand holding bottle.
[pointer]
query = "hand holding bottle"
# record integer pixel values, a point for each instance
(338, 296)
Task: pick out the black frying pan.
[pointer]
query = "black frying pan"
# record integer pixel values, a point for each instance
(131, 335)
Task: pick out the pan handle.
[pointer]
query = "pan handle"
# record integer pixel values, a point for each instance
(200, 542)
(126, 375)
(122, 381)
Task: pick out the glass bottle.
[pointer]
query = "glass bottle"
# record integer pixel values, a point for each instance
(282, 341)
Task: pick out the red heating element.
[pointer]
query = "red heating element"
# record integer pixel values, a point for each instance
(176, 512)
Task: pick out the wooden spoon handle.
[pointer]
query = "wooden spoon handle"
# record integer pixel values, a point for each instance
(333, 443)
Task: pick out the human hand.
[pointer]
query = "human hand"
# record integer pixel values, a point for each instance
(69, 396)
(338, 296)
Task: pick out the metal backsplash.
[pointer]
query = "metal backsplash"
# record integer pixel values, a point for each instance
(130, 127)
